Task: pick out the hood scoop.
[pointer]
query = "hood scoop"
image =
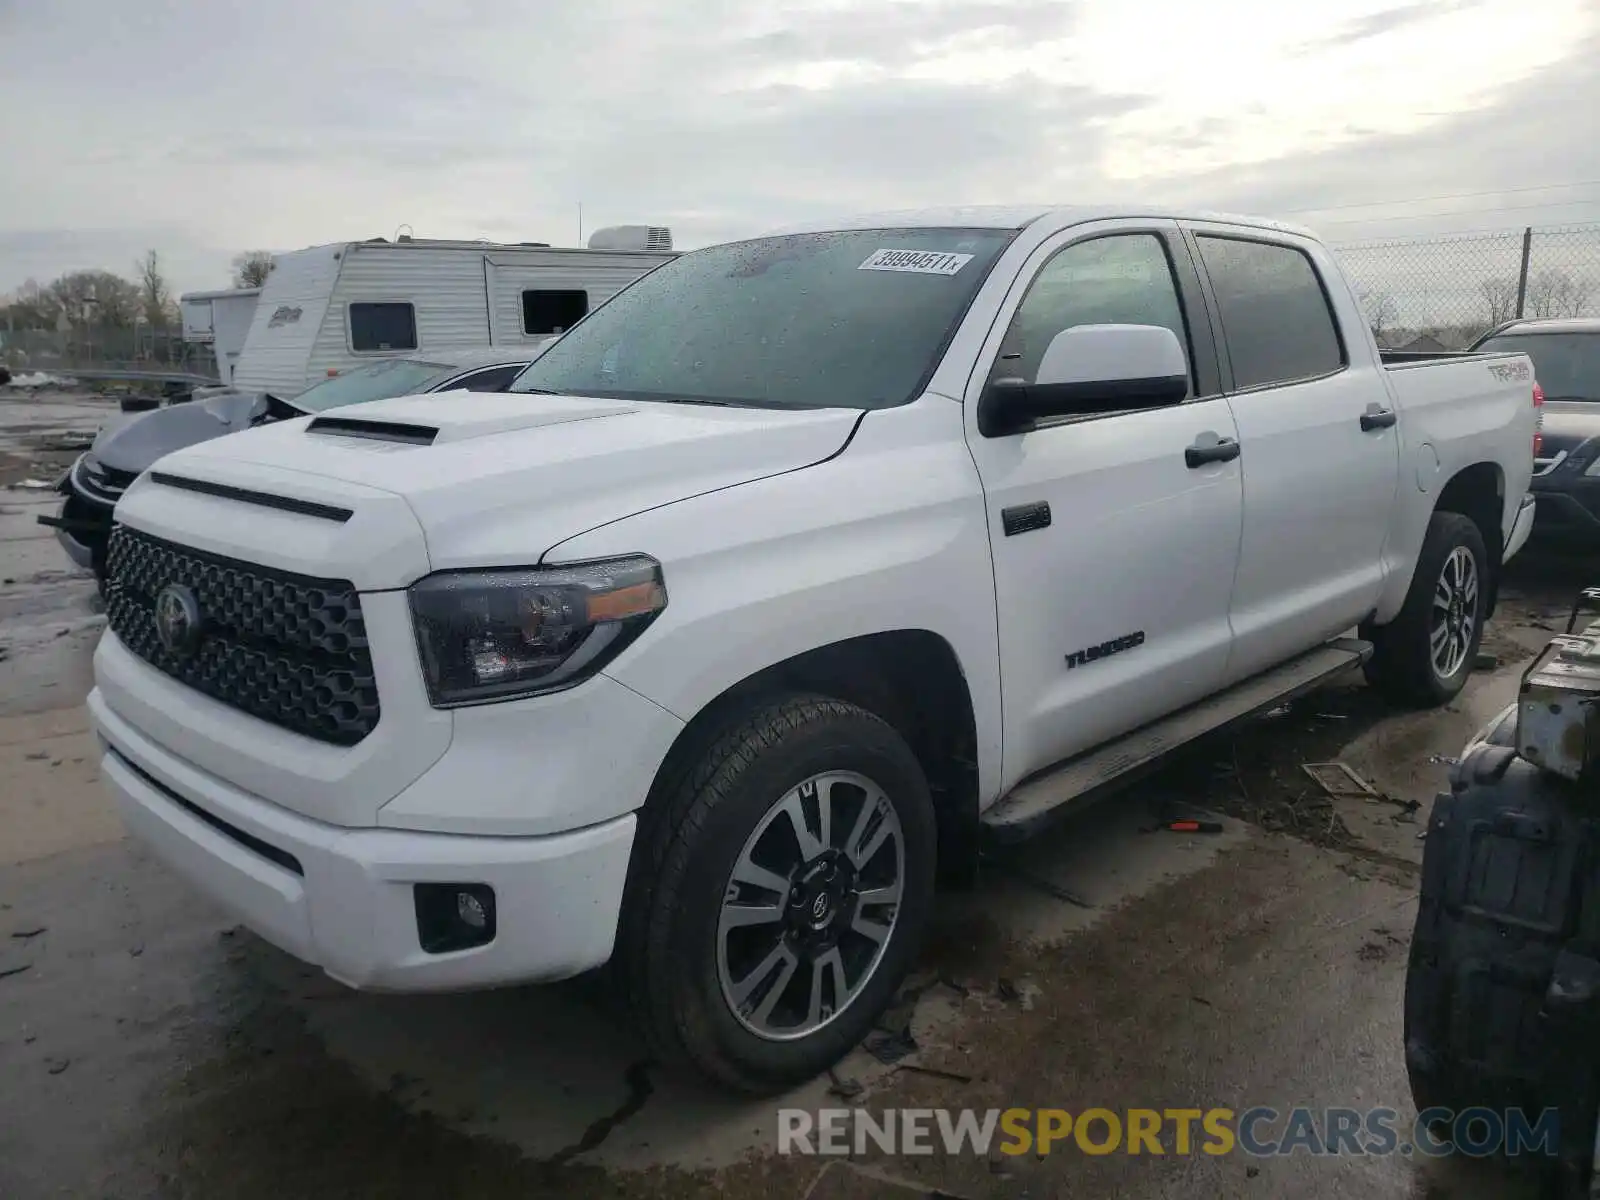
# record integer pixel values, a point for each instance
(458, 416)
(374, 431)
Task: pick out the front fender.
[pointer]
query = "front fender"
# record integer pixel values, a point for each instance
(889, 535)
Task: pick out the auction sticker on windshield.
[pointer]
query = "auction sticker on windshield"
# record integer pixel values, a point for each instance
(922, 262)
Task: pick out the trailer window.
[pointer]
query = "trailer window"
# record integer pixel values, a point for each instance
(553, 311)
(383, 327)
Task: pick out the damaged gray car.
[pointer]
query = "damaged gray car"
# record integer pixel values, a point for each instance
(129, 444)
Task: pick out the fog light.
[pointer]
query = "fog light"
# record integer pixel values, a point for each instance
(454, 916)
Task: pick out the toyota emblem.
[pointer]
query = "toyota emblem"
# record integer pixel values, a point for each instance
(177, 619)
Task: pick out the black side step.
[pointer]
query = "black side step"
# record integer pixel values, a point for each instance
(1035, 802)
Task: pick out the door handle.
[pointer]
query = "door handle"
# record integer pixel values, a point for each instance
(1377, 418)
(1202, 453)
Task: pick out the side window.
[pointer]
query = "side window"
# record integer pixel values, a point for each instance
(553, 311)
(1124, 279)
(383, 327)
(1275, 314)
(492, 380)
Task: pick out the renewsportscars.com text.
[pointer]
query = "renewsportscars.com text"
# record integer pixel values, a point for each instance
(1260, 1132)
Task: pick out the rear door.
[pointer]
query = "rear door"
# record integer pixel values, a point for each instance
(1113, 555)
(1319, 480)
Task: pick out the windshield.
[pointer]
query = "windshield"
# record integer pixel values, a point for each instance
(833, 320)
(392, 377)
(1567, 365)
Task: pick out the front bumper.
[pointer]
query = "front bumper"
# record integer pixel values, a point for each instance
(343, 899)
(83, 525)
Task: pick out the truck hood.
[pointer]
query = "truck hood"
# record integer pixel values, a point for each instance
(498, 479)
(133, 441)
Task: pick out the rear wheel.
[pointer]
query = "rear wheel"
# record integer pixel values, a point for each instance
(1425, 654)
(780, 896)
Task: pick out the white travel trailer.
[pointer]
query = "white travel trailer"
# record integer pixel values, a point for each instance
(329, 308)
(222, 320)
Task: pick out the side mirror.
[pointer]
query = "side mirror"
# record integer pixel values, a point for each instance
(1090, 369)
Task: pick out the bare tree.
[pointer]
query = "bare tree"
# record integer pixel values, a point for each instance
(1501, 297)
(250, 268)
(155, 295)
(94, 297)
(1554, 293)
(1381, 311)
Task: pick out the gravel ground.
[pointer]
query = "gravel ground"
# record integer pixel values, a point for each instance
(150, 1048)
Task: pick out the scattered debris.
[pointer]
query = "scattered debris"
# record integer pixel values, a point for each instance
(10, 971)
(1408, 808)
(1485, 662)
(1447, 760)
(57, 1065)
(68, 442)
(1184, 825)
(1202, 1000)
(1333, 716)
(136, 951)
(36, 756)
(890, 1046)
(32, 485)
(845, 1089)
(1337, 779)
(1251, 1172)
(1007, 990)
(1273, 714)
(936, 1072)
(24, 934)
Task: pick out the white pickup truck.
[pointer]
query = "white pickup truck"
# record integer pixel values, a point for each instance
(774, 586)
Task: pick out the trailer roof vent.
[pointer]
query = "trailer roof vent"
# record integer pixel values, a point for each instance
(631, 237)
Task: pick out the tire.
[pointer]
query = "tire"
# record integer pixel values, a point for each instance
(685, 959)
(1404, 664)
(1502, 1007)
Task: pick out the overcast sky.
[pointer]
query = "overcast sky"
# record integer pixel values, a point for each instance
(203, 127)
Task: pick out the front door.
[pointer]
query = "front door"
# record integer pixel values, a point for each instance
(1113, 555)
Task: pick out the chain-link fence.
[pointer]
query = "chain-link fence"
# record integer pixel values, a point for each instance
(84, 347)
(1432, 293)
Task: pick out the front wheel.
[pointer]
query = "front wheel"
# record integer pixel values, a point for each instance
(1426, 653)
(780, 897)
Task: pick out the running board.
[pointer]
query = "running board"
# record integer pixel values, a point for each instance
(1033, 803)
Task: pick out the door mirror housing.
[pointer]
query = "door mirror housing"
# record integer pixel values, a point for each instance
(1090, 369)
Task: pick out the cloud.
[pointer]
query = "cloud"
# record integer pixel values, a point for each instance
(1390, 20)
(215, 125)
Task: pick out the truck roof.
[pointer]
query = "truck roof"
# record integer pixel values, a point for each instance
(1010, 216)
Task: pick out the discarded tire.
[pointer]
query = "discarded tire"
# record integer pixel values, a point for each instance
(1502, 1002)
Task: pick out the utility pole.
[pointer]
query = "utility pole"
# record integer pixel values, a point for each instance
(1522, 275)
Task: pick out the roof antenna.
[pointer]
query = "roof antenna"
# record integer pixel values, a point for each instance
(409, 235)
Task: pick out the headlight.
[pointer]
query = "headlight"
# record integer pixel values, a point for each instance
(500, 634)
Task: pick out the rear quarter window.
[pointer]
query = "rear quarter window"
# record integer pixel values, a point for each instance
(1276, 319)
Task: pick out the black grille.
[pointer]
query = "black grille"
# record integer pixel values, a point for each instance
(290, 649)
